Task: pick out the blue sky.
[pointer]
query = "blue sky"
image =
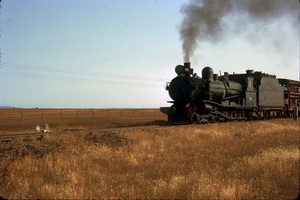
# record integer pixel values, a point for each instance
(119, 54)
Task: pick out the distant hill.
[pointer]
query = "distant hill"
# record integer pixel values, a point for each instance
(6, 107)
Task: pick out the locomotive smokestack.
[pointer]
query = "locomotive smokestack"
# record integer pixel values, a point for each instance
(187, 65)
(184, 70)
(187, 69)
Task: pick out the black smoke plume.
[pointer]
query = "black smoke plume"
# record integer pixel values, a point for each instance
(203, 19)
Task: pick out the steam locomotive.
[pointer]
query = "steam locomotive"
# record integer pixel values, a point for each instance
(214, 98)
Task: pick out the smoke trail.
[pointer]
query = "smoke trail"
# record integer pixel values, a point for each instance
(203, 18)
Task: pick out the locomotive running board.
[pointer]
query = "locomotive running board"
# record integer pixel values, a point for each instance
(222, 106)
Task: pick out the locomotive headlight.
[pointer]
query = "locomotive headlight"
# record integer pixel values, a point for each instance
(179, 69)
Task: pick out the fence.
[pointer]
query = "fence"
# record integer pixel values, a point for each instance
(17, 113)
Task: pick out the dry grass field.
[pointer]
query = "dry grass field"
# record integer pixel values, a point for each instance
(24, 120)
(237, 160)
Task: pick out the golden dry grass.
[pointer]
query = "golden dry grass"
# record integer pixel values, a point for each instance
(238, 160)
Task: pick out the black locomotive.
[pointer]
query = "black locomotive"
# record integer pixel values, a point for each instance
(213, 98)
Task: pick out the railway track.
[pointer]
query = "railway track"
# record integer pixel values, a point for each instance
(7, 137)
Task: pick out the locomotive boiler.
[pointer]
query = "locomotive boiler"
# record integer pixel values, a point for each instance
(213, 98)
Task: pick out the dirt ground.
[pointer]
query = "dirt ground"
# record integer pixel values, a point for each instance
(25, 120)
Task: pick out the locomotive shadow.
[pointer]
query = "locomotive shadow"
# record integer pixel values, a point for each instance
(149, 123)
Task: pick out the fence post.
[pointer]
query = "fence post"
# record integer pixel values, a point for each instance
(77, 113)
(60, 113)
(22, 114)
(42, 114)
(107, 113)
(93, 113)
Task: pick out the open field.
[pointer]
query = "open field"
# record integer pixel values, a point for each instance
(237, 160)
(16, 120)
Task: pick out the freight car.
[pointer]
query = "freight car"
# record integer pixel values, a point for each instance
(213, 98)
(291, 95)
